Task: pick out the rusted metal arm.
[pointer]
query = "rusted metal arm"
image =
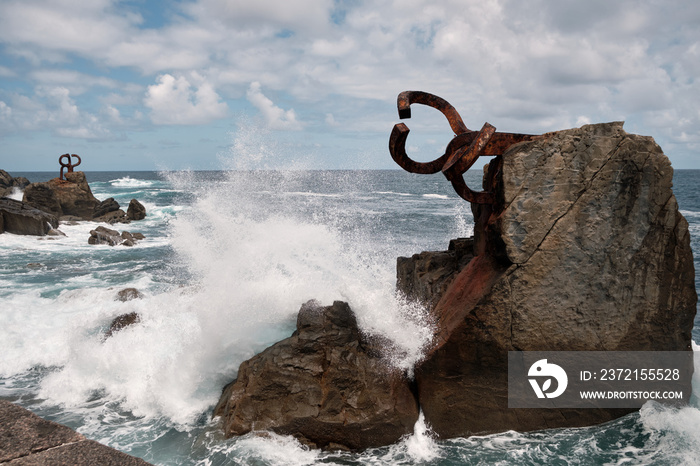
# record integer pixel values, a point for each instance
(461, 153)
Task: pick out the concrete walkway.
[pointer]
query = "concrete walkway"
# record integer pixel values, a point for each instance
(27, 439)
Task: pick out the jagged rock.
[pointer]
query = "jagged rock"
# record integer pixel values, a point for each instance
(20, 219)
(136, 210)
(105, 207)
(425, 276)
(121, 322)
(585, 249)
(326, 384)
(127, 294)
(42, 196)
(104, 235)
(9, 183)
(117, 216)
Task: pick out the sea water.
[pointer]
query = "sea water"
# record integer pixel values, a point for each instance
(228, 259)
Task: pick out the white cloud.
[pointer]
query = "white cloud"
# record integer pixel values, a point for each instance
(51, 108)
(174, 101)
(275, 117)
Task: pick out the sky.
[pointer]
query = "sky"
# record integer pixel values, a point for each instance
(220, 84)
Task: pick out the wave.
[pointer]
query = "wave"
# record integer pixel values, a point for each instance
(128, 182)
(436, 196)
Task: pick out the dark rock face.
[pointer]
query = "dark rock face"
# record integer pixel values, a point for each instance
(17, 218)
(42, 196)
(104, 235)
(105, 207)
(585, 250)
(425, 276)
(136, 210)
(8, 183)
(326, 385)
(121, 322)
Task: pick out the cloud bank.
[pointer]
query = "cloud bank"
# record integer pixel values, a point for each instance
(322, 67)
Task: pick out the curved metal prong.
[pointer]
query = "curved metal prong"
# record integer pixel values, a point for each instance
(406, 98)
(476, 197)
(397, 149)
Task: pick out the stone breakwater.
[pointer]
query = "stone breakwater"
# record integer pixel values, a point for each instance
(27, 440)
(584, 249)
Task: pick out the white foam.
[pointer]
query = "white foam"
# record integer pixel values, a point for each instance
(128, 182)
(16, 194)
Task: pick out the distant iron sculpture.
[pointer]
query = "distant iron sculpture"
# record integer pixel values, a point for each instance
(69, 165)
(461, 152)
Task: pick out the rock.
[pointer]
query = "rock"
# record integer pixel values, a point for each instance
(585, 249)
(8, 183)
(425, 276)
(71, 196)
(104, 235)
(105, 207)
(326, 384)
(117, 216)
(20, 219)
(121, 322)
(20, 182)
(127, 294)
(42, 196)
(136, 210)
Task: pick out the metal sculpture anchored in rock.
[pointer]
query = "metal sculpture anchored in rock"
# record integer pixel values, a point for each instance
(69, 165)
(461, 152)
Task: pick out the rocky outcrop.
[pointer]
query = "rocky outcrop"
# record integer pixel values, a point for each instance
(136, 210)
(17, 218)
(8, 183)
(326, 384)
(584, 250)
(104, 235)
(69, 197)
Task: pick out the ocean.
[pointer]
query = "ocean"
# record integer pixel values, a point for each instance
(228, 259)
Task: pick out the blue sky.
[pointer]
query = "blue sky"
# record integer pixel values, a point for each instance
(212, 84)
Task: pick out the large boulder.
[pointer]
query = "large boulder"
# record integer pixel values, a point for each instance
(585, 249)
(20, 219)
(69, 197)
(326, 384)
(136, 210)
(105, 207)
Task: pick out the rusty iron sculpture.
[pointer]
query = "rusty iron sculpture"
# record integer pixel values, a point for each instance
(462, 151)
(69, 165)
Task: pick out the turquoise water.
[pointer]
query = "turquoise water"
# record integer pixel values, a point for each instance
(227, 261)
